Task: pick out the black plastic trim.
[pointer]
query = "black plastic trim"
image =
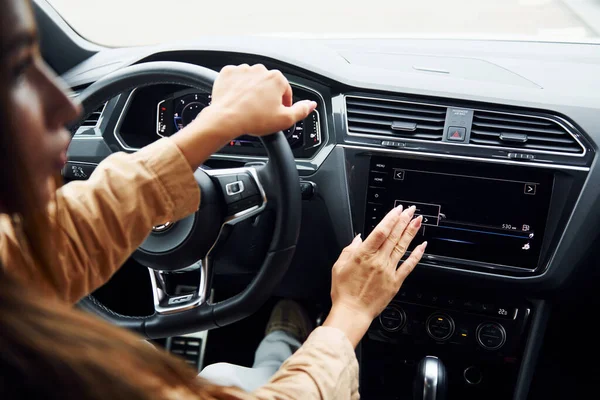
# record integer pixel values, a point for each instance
(541, 314)
(61, 46)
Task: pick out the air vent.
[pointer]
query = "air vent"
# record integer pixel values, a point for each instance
(524, 132)
(90, 122)
(390, 118)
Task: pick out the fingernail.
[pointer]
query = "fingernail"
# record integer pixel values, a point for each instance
(424, 245)
(398, 208)
(356, 238)
(417, 221)
(412, 210)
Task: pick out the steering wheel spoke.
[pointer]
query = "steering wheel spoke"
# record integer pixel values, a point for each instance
(177, 291)
(242, 190)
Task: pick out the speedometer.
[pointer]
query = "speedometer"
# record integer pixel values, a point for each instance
(187, 108)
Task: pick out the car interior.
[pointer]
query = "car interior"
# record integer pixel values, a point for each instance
(494, 142)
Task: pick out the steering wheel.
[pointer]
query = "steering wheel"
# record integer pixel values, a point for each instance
(228, 197)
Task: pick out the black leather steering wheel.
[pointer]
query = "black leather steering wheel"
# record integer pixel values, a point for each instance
(228, 197)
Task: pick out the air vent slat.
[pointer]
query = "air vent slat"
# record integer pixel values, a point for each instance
(529, 137)
(389, 105)
(378, 131)
(505, 128)
(388, 124)
(537, 133)
(91, 121)
(514, 120)
(399, 116)
(381, 117)
(531, 146)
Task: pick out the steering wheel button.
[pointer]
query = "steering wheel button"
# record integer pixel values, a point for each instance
(234, 188)
(250, 188)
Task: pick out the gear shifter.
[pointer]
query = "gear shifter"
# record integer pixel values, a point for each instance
(430, 382)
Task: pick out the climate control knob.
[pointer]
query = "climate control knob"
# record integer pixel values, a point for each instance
(440, 326)
(392, 319)
(491, 335)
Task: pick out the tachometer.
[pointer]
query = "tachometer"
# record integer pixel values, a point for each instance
(187, 107)
(294, 133)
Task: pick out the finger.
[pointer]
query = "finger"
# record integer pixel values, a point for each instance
(259, 67)
(411, 262)
(379, 235)
(227, 69)
(391, 243)
(288, 97)
(405, 239)
(298, 111)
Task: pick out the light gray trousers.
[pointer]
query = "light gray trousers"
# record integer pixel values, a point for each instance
(273, 350)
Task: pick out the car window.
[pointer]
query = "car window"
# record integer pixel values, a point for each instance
(141, 22)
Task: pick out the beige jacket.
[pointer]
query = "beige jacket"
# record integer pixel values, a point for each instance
(98, 223)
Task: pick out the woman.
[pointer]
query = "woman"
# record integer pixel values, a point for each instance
(58, 245)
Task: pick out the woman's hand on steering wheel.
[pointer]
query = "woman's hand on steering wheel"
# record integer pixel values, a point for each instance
(245, 100)
(366, 276)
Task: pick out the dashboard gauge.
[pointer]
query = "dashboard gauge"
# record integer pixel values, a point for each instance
(162, 129)
(180, 108)
(294, 134)
(186, 108)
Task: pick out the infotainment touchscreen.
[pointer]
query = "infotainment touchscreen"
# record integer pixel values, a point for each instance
(480, 215)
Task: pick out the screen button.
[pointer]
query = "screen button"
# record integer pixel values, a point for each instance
(378, 179)
(379, 166)
(456, 134)
(530, 188)
(376, 195)
(398, 174)
(429, 220)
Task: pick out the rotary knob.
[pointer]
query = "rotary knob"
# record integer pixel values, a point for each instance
(392, 319)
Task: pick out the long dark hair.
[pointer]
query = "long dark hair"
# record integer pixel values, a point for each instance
(49, 350)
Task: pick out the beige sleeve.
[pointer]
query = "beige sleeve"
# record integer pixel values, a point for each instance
(325, 367)
(98, 223)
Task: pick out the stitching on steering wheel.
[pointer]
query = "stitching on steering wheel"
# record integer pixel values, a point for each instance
(98, 304)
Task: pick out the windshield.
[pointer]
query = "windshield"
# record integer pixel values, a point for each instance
(141, 22)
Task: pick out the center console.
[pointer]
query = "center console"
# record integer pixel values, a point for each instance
(489, 225)
(480, 340)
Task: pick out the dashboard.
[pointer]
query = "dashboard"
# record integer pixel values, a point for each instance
(502, 166)
(496, 183)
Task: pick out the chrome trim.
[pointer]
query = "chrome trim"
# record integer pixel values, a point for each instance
(474, 263)
(431, 373)
(159, 294)
(452, 326)
(117, 128)
(162, 227)
(204, 265)
(83, 162)
(249, 212)
(502, 331)
(402, 319)
(556, 119)
(467, 379)
(468, 158)
(229, 188)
